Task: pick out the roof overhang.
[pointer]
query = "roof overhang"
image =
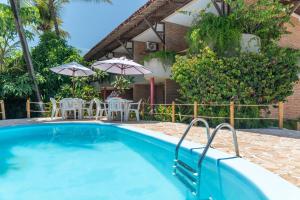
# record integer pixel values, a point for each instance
(153, 10)
(147, 36)
(186, 15)
(120, 49)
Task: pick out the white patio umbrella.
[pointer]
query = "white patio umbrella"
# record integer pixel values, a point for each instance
(73, 69)
(121, 66)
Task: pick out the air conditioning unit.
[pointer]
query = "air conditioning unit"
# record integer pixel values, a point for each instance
(151, 46)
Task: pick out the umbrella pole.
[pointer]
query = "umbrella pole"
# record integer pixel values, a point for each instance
(73, 87)
(73, 80)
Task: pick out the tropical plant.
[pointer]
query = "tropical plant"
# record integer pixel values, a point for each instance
(50, 14)
(167, 57)
(52, 51)
(263, 18)
(15, 6)
(15, 85)
(82, 90)
(218, 32)
(9, 42)
(122, 83)
(259, 78)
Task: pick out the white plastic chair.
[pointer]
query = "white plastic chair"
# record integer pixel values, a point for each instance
(100, 108)
(67, 105)
(115, 106)
(88, 107)
(55, 109)
(135, 107)
(79, 104)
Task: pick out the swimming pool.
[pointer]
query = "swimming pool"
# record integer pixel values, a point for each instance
(110, 162)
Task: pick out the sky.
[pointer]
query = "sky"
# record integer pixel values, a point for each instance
(89, 22)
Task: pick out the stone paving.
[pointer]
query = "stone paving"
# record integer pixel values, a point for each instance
(276, 150)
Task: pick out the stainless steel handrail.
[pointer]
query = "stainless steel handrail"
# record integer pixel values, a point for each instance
(186, 132)
(219, 127)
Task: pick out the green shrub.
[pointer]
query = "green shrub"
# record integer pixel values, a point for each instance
(251, 78)
(258, 78)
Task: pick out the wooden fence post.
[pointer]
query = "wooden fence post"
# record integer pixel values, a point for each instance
(173, 111)
(280, 115)
(28, 108)
(195, 109)
(232, 114)
(2, 110)
(298, 126)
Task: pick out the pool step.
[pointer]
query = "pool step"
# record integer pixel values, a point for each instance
(187, 183)
(186, 167)
(186, 174)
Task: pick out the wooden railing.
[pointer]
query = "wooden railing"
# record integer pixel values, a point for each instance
(231, 106)
(30, 109)
(173, 114)
(2, 110)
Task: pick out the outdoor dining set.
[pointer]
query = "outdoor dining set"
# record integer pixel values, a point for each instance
(111, 108)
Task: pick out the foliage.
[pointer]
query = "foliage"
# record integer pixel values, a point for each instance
(249, 78)
(264, 18)
(52, 51)
(222, 33)
(219, 33)
(9, 42)
(166, 57)
(164, 113)
(82, 90)
(13, 85)
(122, 83)
(49, 14)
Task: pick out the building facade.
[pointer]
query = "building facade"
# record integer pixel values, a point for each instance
(159, 25)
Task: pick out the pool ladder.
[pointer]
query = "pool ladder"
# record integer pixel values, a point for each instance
(189, 176)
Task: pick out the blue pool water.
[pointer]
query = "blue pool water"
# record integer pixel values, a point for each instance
(102, 162)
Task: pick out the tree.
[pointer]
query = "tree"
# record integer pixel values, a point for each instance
(15, 6)
(50, 11)
(9, 43)
(52, 51)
